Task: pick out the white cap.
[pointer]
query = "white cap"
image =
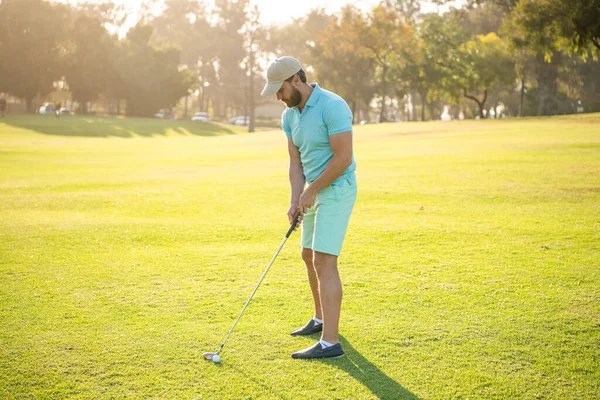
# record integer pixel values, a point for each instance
(280, 70)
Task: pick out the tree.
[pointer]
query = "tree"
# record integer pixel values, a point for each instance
(544, 34)
(580, 22)
(32, 45)
(589, 73)
(408, 9)
(253, 34)
(87, 65)
(231, 17)
(422, 74)
(525, 66)
(487, 65)
(341, 63)
(387, 39)
(183, 23)
(175, 26)
(298, 38)
(109, 14)
(151, 76)
(483, 19)
(574, 20)
(442, 67)
(506, 5)
(532, 31)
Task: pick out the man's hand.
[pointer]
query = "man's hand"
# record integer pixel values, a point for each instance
(293, 210)
(307, 200)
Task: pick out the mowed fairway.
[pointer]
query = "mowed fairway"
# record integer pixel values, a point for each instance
(471, 268)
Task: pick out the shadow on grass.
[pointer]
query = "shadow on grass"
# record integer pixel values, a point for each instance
(361, 369)
(358, 367)
(103, 127)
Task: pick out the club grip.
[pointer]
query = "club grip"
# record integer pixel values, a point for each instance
(289, 232)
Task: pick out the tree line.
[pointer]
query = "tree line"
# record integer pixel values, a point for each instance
(499, 57)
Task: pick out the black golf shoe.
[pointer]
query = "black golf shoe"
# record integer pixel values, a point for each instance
(308, 329)
(317, 351)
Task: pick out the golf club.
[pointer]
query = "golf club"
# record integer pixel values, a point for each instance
(215, 356)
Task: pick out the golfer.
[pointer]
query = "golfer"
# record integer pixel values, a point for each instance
(318, 126)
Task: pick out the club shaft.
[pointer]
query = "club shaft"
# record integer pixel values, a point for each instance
(254, 291)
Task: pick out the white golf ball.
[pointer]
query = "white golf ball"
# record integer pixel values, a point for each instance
(216, 358)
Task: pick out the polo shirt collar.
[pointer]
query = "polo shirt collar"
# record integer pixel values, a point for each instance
(314, 96)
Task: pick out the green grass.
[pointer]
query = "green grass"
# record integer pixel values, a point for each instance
(471, 268)
(122, 127)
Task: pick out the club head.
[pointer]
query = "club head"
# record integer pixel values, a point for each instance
(209, 355)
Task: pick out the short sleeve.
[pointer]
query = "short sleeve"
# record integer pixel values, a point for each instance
(285, 126)
(337, 117)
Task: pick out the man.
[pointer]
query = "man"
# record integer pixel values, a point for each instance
(318, 125)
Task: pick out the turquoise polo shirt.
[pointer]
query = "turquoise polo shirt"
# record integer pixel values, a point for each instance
(324, 114)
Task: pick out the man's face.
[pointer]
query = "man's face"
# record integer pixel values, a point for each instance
(289, 94)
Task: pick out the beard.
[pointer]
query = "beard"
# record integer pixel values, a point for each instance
(295, 98)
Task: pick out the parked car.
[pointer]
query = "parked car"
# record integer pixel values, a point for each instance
(47, 109)
(200, 117)
(65, 111)
(239, 121)
(164, 114)
(365, 122)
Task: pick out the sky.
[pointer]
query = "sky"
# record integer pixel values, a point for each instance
(282, 11)
(273, 12)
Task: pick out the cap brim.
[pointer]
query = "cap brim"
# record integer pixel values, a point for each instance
(271, 88)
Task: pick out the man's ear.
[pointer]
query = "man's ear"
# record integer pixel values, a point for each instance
(296, 80)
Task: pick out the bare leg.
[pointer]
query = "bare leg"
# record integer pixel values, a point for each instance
(330, 291)
(307, 256)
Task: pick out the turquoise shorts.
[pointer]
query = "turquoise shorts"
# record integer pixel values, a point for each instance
(324, 225)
